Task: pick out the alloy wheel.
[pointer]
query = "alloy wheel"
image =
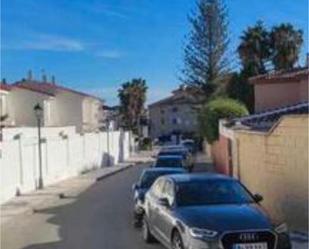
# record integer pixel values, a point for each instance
(177, 241)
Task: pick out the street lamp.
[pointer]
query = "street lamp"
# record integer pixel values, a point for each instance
(38, 111)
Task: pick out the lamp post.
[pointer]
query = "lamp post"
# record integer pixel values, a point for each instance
(38, 111)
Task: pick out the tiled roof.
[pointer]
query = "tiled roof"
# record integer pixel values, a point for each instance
(265, 120)
(36, 86)
(286, 76)
(5, 87)
(179, 97)
(49, 88)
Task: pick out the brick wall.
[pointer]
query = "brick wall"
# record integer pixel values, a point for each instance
(275, 164)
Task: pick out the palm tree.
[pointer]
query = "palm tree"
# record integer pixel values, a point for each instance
(132, 96)
(286, 44)
(254, 49)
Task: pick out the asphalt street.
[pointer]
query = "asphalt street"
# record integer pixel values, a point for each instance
(100, 217)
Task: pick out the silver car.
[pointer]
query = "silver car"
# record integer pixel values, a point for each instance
(209, 211)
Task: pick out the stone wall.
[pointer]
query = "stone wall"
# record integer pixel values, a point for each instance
(275, 164)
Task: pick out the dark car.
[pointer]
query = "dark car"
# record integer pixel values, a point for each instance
(198, 211)
(170, 161)
(183, 152)
(147, 177)
(190, 145)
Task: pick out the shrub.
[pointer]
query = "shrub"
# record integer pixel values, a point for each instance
(145, 144)
(215, 110)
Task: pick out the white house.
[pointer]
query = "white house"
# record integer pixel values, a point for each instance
(6, 118)
(62, 106)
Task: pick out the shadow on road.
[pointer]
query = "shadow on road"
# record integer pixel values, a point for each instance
(100, 217)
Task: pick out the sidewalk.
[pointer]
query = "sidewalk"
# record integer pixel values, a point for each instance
(67, 189)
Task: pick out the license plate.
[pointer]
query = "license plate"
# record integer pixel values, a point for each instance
(250, 246)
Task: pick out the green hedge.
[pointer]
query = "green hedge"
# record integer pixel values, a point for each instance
(213, 111)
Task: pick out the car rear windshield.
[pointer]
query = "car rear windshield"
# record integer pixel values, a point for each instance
(148, 178)
(212, 192)
(173, 153)
(169, 162)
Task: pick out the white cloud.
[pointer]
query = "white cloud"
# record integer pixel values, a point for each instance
(49, 42)
(106, 10)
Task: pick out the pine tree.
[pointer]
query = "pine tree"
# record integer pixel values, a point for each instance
(205, 55)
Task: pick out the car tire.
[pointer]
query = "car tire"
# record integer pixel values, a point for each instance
(177, 241)
(147, 236)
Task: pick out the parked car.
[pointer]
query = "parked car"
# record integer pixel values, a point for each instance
(186, 155)
(170, 161)
(145, 181)
(173, 147)
(190, 145)
(195, 211)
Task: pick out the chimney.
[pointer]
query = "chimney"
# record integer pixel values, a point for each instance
(53, 80)
(29, 75)
(44, 77)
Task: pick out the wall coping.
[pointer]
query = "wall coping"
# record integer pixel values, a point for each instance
(272, 129)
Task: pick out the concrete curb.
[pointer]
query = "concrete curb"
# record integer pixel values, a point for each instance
(100, 178)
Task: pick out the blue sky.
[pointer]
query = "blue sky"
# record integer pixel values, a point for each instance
(95, 45)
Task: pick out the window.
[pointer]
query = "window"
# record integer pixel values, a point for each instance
(175, 109)
(212, 192)
(176, 121)
(162, 121)
(168, 191)
(156, 188)
(162, 111)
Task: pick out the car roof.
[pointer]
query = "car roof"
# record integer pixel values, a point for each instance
(162, 152)
(188, 177)
(173, 147)
(165, 169)
(169, 157)
(187, 141)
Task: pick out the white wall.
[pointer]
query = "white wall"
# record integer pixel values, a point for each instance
(6, 109)
(23, 101)
(65, 154)
(69, 108)
(91, 114)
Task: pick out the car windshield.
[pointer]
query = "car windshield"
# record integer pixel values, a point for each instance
(148, 178)
(169, 162)
(212, 192)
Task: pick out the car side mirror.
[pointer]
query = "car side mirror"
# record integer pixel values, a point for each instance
(258, 198)
(164, 202)
(135, 186)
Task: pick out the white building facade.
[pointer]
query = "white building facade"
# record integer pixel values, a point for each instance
(61, 106)
(174, 115)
